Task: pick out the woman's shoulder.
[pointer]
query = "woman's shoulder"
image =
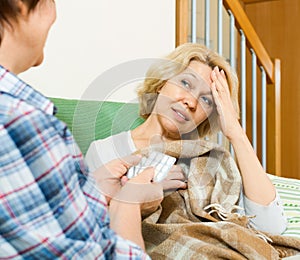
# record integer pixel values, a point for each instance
(112, 147)
(119, 137)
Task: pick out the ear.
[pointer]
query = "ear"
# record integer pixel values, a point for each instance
(23, 8)
(160, 88)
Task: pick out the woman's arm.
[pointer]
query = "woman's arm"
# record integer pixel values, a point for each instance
(123, 216)
(257, 185)
(125, 207)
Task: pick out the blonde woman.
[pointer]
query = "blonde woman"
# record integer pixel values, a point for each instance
(189, 95)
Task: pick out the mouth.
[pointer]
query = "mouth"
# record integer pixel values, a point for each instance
(181, 115)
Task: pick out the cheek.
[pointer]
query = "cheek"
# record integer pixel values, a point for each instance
(170, 89)
(201, 114)
(161, 105)
(48, 13)
(165, 97)
(54, 15)
(164, 91)
(50, 19)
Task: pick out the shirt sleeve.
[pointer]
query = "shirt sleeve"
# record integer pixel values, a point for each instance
(270, 218)
(92, 157)
(48, 208)
(104, 150)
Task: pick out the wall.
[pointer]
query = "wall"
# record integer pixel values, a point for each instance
(276, 23)
(92, 37)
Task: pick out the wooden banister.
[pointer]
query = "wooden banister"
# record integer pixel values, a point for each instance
(273, 72)
(272, 69)
(242, 22)
(253, 42)
(256, 1)
(274, 122)
(182, 18)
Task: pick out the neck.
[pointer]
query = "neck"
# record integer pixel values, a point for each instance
(13, 54)
(151, 132)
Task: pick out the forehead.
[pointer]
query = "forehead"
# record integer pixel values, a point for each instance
(200, 71)
(198, 75)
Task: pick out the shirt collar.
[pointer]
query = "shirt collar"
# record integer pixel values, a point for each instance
(13, 85)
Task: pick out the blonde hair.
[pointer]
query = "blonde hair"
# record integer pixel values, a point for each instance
(176, 62)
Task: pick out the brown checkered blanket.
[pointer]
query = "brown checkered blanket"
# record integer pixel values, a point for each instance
(182, 228)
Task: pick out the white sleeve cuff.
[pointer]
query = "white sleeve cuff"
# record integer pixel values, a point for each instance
(270, 218)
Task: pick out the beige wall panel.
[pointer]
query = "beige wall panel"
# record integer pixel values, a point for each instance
(277, 24)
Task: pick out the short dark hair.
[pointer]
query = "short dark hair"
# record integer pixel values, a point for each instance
(9, 11)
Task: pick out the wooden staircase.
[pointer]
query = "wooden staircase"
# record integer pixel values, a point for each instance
(269, 150)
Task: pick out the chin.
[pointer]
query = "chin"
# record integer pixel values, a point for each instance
(193, 135)
(39, 61)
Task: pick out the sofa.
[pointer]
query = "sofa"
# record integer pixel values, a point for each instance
(91, 120)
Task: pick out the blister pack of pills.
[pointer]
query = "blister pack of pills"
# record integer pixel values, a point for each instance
(160, 161)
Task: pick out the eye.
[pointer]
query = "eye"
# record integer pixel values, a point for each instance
(185, 83)
(207, 101)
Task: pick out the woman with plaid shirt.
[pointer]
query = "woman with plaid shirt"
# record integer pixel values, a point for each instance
(50, 205)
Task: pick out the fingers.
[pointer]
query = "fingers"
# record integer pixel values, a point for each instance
(131, 160)
(113, 169)
(141, 189)
(135, 192)
(215, 93)
(176, 173)
(146, 176)
(175, 179)
(124, 179)
(173, 185)
(175, 176)
(176, 168)
(218, 75)
(220, 80)
(220, 91)
(217, 99)
(111, 176)
(118, 167)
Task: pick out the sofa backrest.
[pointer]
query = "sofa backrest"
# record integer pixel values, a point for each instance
(92, 120)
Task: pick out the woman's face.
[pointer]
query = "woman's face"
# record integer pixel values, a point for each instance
(35, 27)
(185, 101)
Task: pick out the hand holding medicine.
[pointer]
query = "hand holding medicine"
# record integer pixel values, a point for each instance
(112, 182)
(170, 175)
(161, 162)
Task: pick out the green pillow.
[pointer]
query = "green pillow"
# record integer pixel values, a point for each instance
(92, 120)
(289, 191)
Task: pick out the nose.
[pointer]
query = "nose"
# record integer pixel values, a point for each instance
(190, 101)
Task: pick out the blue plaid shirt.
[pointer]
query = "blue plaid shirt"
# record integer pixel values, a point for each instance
(48, 207)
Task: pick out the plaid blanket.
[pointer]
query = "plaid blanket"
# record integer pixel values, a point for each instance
(200, 222)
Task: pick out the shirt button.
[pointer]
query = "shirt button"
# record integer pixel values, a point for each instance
(55, 110)
(65, 131)
(60, 209)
